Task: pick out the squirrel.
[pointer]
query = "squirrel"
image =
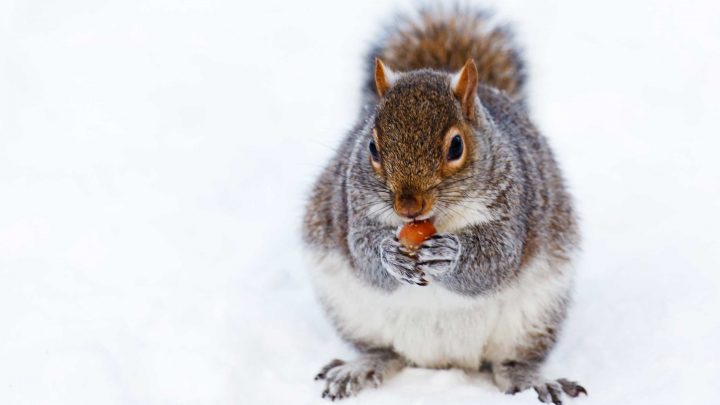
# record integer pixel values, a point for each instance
(444, 136)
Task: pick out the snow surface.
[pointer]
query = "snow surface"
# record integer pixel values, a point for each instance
(155, 156)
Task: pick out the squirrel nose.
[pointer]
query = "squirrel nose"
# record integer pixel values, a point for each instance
(409, 205)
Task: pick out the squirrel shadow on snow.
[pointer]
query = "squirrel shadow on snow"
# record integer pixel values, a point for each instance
(446, 138)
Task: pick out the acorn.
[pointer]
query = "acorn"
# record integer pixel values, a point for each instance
(412, 234)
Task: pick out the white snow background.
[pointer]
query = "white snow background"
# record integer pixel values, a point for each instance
(155, 157)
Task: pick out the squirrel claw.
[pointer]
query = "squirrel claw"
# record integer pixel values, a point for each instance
(571, 388)
(551, 391)
(323, 372)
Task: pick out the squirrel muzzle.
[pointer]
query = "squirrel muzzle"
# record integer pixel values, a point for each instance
(411, 205)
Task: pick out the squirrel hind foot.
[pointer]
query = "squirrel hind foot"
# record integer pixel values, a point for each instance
(346, 379)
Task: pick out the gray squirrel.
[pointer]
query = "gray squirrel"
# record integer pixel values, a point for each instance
(444, 136)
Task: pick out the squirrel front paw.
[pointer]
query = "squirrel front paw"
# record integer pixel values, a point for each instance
(439, 254)
(397, 261)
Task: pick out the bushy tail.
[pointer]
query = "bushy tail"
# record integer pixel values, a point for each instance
(444, 40)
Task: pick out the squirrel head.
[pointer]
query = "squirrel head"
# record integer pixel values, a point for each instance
(424, 137)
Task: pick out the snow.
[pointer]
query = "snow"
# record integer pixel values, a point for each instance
(155, 157)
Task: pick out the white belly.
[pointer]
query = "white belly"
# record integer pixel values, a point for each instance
(431, 326)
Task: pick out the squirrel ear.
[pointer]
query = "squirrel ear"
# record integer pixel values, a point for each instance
(384, 77)
(464, 85)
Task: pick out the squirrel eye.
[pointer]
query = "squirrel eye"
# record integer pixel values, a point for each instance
(455, 150)
(374, 151)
